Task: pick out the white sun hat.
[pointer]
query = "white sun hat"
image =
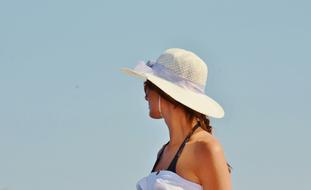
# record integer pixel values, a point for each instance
(182, 75)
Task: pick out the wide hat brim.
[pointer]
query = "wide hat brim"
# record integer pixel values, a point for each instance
(196, 101)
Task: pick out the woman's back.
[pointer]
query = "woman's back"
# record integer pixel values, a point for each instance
(184, 176)
(186, 163)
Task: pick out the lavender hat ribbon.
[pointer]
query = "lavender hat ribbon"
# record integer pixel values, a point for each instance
(160, 70)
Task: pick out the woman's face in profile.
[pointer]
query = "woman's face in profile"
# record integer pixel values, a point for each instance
(153, 101)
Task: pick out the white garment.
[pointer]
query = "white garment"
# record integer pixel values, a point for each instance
(166, 180)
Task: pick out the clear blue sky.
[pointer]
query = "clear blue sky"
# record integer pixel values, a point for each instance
(70, 120)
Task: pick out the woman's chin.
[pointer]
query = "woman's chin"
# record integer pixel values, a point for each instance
(154, 116)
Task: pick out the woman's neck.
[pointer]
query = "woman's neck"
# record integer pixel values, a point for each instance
(179, 127)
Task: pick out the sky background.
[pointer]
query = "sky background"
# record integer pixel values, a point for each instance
(69, 119)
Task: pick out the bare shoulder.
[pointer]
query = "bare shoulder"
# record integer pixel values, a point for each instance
(205, 143)
(204, 149)
(210, 166)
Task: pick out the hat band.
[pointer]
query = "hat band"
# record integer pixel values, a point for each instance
(160, 70)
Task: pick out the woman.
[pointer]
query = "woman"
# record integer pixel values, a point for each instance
(193, 159)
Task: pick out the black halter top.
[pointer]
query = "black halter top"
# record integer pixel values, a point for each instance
(172, 166)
